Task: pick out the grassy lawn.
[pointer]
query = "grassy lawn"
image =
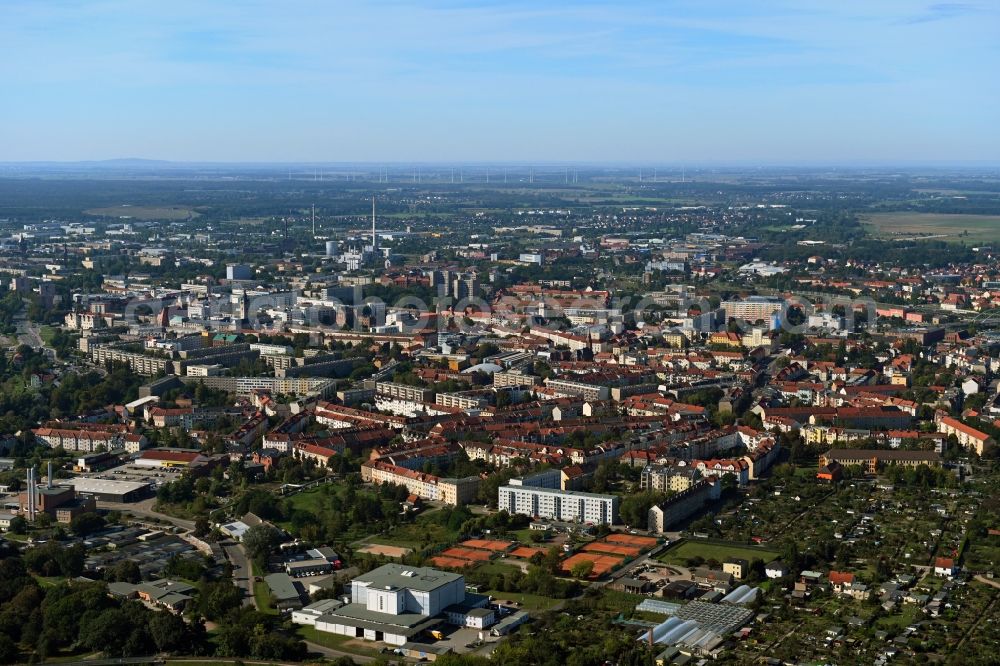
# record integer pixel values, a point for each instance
(311, 500)
(417, 535)
(214, 662)
(333, 641)
(46, 333)
(708, 550)
(622, 602)
(261, 593)
(317, 502)
(983, 556)
(528, 601)
(947, 227)
(907, 616)
(524, 537)
(145, 212)
(50, 581)
(805, 472)
(497, 567)
(70, 656)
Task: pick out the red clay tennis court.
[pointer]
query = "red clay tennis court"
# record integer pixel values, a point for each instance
(487, 544)
(467, 554)
(602, 563)
(450, 562)
(613, 548)
(526, 552)
(632, 540)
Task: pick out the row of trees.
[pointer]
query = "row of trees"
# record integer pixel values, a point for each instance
(42, 621)
(79, 616)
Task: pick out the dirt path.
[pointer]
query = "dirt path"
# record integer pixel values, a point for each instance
(992, 583)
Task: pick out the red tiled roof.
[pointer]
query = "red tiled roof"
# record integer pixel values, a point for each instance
(968, 430)
(172, 456)
(840, 577)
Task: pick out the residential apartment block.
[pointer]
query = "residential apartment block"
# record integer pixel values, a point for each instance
(426, 486)
(404, 392)
(968, 437)
(683, 505)
(562, 505)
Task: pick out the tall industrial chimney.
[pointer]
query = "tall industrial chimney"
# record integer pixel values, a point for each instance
(374, 236)
(31, 494)
(48, 482)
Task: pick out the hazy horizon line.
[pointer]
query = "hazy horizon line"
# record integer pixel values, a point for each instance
(670, 164)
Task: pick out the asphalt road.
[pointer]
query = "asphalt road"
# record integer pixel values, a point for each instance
(333, 654)
(27, 334)
(242, 575)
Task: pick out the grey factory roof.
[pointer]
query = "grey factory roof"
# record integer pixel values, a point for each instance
(361, 612)
(423, 579)
(282, 586)
(88, 485)
(719, 618)
(357, 615)
(322, 607)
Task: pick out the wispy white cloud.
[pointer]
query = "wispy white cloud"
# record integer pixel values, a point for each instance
(529, 71)
(942, 11)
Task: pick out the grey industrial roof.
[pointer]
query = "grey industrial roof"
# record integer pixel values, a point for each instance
(323, 606)
(625, 581)
(88, 485)
(361, 612)
(120, 589)
(423, 579)
(166, 584)
(356, 615)
(305, 564)
(513, 619)
(282, 586)
(172, 599)
(470, 602)
(718, 618)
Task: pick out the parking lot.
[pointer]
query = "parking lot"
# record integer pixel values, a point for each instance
(660, 574)
(129, 472)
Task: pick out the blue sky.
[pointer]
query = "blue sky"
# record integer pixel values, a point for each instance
(705, 81)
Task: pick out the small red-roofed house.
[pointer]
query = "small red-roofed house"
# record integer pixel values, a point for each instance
(945, 566)
(838, 579)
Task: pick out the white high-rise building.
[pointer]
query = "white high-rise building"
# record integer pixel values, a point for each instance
(563, 505)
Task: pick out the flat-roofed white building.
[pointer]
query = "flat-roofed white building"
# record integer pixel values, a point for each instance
(561, 505)
(396, 603)
(109, 490)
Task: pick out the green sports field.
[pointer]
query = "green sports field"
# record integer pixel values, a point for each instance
(947, 227)
(714, 551)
